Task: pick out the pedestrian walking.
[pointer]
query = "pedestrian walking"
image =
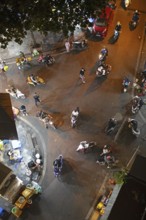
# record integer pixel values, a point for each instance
(67, 46)
(36, 99)
(23, 110)
(82, 75)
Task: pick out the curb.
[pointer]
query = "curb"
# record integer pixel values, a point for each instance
(62, 51)
(43, 146)
(135, 73)
(120, 129)
(34, 58)
(92, 209)
(139, 56)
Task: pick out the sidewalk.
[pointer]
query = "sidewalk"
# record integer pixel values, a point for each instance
(52, 43)
(31, 143)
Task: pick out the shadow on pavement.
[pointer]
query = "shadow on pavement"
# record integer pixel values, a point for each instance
(111, 40)
(96, 83)
(87, 124)
(93, 69)
(126, 136)
(69, 172)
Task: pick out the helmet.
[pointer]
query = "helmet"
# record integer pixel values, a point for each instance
(38, 161)
(105, 147)
(37, 156)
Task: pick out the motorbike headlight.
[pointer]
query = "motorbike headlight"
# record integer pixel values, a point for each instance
(100, 56)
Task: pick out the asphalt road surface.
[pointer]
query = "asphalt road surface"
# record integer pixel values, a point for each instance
(98, 99)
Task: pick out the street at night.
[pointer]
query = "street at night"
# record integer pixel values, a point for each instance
(73, 195)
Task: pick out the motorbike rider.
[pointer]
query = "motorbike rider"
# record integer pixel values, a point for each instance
(104, 51)
(41, 114)
(111, 125)
(106, 150)
(118, 26)
(101, 70)
(134, 125)
(58, 162)
(117, 30)
(48, 59)
(84, 43)
(33, 79)
(103, 54)
(135, 17)
(84, 145)
(116, 34)
(137, 103)
(75, 113)
(126, 82)
(106, 159)
(23, 109)
(41, 58)
(48, 121)
(109, 159)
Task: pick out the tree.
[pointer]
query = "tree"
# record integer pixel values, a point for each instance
(19, 16)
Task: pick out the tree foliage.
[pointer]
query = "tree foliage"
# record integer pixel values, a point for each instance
(18, 16)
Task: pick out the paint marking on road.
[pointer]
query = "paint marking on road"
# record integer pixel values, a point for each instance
(142, 117)
(128, 164)
(97, 196)
(120, 129)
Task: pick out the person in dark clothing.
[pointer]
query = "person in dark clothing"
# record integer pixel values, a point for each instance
(23, 110)
(36, 99)
(135, 17)
(118, 26)
(82, 76)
